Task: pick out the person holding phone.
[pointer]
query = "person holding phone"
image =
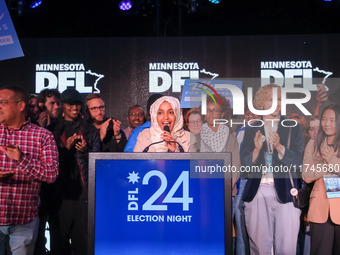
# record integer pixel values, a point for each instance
(321, 97)
(166, 133)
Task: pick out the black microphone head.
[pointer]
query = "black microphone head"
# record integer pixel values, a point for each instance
(166, 128)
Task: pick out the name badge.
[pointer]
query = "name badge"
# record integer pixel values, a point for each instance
(332, 183)
(268, 158)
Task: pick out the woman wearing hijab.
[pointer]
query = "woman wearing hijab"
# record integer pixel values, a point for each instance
(166, 133)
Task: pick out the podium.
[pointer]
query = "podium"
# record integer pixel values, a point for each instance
(159, 203)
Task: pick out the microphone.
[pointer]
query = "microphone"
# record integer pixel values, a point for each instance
(167, 129)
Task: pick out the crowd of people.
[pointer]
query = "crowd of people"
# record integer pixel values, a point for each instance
(46, 140)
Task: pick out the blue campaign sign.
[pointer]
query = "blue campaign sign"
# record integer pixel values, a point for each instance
(9, 43)
(152, 206)
(193, 89)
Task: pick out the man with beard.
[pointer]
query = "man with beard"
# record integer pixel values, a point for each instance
(48, 102)
(49, 105)
(112, 137)
(130, 146)
(135, 118)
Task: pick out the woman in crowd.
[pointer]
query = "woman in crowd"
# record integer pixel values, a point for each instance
(33, 109)
(66, 199)
(193, 123)
(323, 212)
(215, 137)
(311, 129)
(272, 221)
(166, 133)
(218, 138)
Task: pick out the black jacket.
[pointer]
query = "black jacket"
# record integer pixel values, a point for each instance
(109, 143)
(73, 164)
(292, 160)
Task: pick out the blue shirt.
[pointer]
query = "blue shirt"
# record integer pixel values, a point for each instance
(130, 146)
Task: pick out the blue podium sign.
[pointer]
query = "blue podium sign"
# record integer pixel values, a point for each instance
(146, 203)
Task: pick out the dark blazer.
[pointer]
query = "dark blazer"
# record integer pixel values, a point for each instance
(291, 159)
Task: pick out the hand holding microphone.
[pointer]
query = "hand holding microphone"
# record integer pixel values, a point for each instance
(170, 142)
(166, 136)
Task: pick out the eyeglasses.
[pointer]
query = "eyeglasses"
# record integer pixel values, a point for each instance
(213, 112)
(6, 102)
(195, 122)
(96, 109)
(140, 115)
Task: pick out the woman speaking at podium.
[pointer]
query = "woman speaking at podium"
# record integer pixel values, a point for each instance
(166, 133)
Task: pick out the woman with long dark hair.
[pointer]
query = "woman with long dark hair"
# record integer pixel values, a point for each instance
(322, 158)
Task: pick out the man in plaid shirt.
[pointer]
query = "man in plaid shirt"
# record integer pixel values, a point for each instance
(28, 156)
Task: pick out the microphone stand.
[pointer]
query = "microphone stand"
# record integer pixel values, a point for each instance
(166, 128)
(180, 147)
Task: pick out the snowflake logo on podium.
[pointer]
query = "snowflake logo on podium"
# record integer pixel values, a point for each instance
(133, 177)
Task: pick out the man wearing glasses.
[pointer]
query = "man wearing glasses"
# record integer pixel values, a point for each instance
(135, 118)
(28, 156)
(112, 137)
